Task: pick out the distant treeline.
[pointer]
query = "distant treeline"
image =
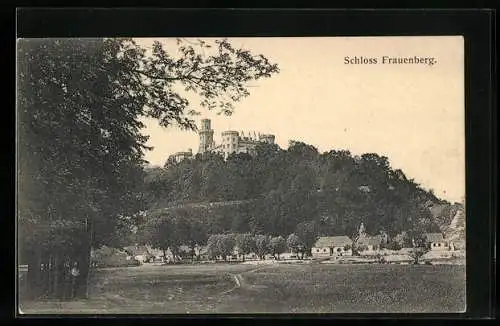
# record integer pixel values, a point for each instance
(279, 192)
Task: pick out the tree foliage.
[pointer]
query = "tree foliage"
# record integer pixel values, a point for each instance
(262, 245)
(308, 233)
(277, 246)
(293, 243)
(301, 191)
(212, 246)
(160, 233)
(221, 245)
(80, 105)
(226, 244)
(245, 243)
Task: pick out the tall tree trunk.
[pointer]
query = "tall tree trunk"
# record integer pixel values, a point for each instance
(174, 255)
(39, 274)
(90, 237)
(50, 275)
(193, 253)
(66, 286)
(43, 275)
(58, 275)
(33, 274)
(82, 280)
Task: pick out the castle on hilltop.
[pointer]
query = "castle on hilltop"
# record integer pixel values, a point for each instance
(232, 142)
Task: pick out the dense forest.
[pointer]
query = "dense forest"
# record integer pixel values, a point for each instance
(299, 190)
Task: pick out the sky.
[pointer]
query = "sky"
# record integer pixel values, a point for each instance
(411, 113)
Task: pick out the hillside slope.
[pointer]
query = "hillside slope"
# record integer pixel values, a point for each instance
(282, 191)
(456, 229)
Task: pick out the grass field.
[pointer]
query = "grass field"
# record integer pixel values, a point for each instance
(275, 288)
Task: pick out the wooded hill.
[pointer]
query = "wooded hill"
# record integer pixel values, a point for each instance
(279, 192)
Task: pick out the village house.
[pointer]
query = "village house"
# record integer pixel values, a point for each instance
(436, 241)
(289, 255)
(157, 254)
(238, 255)
(201, 252)
(139, 253)
(332, 246)
(370, 243)
(183, 252)
(186, 251)
(400, 239)
(111, 257)
(458, 244)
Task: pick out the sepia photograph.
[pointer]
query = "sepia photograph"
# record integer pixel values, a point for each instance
(240, 175)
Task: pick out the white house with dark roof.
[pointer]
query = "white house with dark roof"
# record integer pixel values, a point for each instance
(139, 253)
(332, 246)
(436, 241)
(157, 254)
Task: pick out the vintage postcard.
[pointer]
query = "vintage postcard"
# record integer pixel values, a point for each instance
(241, 175)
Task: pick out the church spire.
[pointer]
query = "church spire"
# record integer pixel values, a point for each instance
(361, 230)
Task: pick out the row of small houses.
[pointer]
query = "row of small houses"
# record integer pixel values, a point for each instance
(324, 247)
(342, 245)
(331, 246)
(144, 253)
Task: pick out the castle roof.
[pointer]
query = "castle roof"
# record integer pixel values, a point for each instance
(232, 132)
(182, 153)
(248, 141)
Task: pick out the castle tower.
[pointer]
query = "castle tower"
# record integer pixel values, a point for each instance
(206, 136)
(230, 142)
(267, 138)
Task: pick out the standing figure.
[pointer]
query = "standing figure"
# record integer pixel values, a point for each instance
(75, 272)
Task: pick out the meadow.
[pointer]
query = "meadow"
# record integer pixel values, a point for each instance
(273, 288)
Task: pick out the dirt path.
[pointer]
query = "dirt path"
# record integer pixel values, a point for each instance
(240, 282)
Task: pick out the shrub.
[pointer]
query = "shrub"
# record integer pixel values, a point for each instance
(393, 245)
(112, 257)
(362, 248)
